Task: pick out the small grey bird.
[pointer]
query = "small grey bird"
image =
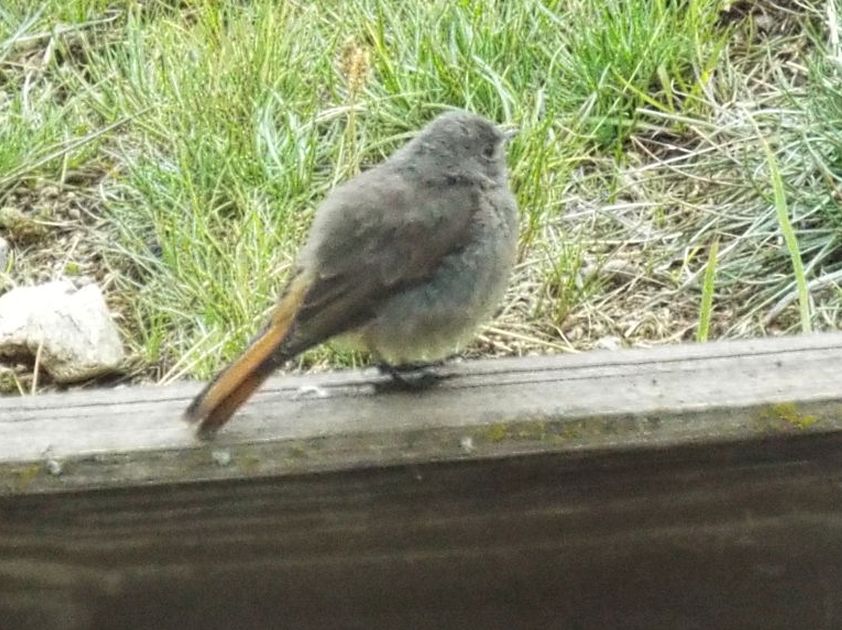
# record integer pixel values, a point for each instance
(404, 260)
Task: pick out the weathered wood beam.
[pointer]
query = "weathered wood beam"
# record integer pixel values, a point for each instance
(653, 398)
(681, 487)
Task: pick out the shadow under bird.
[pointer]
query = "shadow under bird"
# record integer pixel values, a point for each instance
(404, 261)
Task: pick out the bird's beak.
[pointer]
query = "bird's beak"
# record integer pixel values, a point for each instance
(508, 130)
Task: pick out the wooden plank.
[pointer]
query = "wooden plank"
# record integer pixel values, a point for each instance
(682, 487)
(663, 397)
(743, 535)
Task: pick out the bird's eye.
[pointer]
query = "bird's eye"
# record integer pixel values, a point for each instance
(488, 151)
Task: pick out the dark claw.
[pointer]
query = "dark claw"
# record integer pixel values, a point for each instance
(410, 376)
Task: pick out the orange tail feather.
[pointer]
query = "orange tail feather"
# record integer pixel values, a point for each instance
(218, 401)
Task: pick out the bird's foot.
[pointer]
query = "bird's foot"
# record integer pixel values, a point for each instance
(410, 376)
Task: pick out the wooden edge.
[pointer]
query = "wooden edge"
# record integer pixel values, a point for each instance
(19, 408)
(603, 401)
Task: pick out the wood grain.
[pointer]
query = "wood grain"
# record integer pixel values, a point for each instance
(730, 536)
(694, 486)
(627, 399)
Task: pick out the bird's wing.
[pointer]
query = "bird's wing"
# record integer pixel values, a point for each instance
(374, 237)
(377, 236)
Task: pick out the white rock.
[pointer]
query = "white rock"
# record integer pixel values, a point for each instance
(77, 336)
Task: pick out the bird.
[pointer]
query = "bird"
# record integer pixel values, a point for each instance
(404, 261)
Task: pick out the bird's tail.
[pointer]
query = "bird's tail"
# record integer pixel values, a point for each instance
(229, 389)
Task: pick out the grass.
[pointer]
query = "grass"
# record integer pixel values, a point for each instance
(175, 153)
(708, 286)
(789, 237)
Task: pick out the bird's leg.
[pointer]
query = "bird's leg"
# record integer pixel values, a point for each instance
(411, 376)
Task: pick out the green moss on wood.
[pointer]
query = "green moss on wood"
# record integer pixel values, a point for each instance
(785, 415)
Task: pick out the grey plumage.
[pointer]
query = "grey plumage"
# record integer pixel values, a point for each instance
(405, 260)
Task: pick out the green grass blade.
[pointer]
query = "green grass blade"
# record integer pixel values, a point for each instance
(707, 294)
(791, 240)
